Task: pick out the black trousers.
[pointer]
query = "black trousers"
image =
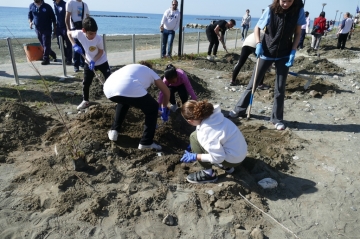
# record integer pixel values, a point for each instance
(214, 41)
(342, 40)
(147, 104)
(181, 90)
(279, 91)
(89, 76)
(244, 55)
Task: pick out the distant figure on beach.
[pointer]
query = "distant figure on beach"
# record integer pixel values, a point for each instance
(60, 12)
(245, 24)
(320, 23)
(76, 11)
(42, 16)
(283, 21)
(248, 47)
(169, 24)
(177, 81)
(304, 29)
(216, 141)
(344, 30)
(213, 36)
(94, 54)
(128, 88)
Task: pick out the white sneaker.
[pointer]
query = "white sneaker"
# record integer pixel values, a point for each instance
(113, 135)
(84, 104)
(173, 108)
(233, 114)
(209, 57)
(215, 58)
(151, 146)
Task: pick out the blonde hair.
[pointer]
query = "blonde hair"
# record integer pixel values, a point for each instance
(197, 110)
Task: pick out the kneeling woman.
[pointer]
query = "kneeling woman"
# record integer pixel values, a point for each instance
(216, 141)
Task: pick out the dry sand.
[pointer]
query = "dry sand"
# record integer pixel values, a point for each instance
(127, 193)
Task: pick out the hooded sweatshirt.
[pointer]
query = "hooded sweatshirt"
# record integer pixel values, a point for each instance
(221, 138)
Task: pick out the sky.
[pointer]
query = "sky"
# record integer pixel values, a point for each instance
(205, 7)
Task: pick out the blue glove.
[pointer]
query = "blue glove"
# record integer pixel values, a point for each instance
(165, 114)
(188, 157)
(78, 49)
(291, 59)
(259, 50)
(188, 148)
(92, 65)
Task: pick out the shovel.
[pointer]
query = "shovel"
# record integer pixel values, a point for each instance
(309, 79)
(100, 78)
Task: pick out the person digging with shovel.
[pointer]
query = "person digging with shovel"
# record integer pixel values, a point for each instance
(283, 20)
(216, 141)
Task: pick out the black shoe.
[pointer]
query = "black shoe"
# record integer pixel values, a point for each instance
(54, 59)
(234, 83)
(76, 69)
(201, 177)
(80, 164)
(263, 87)
(68, 63)
(227, 170)
(45, 62)
(82, 66)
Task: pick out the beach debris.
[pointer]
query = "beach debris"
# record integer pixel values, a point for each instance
(210, 192)
(168, 220)
(257, 233)
(268, 183)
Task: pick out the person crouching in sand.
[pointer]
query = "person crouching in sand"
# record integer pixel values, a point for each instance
(216, 141)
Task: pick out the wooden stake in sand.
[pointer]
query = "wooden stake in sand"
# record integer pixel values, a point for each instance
(287, 229)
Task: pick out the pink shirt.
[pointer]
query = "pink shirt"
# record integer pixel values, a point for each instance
(181, 79)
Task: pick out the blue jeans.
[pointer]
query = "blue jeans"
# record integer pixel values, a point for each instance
(245, 29)
(45, 41)
(78, 59)
(167, 38)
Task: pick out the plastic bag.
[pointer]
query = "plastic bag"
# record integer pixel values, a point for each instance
(267, 183)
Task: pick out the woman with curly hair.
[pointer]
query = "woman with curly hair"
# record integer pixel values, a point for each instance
(216, 141)
(282, 22)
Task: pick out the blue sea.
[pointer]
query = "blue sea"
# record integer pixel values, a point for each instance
(16, 20)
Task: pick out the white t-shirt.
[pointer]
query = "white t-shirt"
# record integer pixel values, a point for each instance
(91, 47)
(130, 81)
(75, 8)
(348, 25)
(171, 19)
(250, 40)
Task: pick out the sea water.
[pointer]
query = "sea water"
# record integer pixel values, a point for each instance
(14, 22)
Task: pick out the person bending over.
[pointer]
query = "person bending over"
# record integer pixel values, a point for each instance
(177, 81)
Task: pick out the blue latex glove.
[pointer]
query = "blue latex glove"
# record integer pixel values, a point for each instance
(78, 49)
(165, 114)
(92, 65)
(188, 148)
(259, 50)
(188, 157)
(291, 59)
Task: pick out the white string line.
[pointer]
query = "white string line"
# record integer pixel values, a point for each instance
(268, 216)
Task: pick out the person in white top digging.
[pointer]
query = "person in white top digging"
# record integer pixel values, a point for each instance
(216, 141)
(128, 87)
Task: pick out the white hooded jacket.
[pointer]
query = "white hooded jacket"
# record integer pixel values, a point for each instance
(221, 138)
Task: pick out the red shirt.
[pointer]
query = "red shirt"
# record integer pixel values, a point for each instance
(321, 22)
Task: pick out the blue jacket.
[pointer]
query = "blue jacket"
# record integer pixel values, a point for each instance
(42, 17)
(60, 12)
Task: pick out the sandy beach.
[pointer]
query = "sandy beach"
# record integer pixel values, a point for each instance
(127, 193)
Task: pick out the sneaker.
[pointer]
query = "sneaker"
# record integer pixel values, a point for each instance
(263, 87)
(233, 114)
(80, 164)
(209, 57)
(84, 104)
(82, 66)
(113, 135)
(227, 170)
(201, 177)
(173, 108)
(45, 62)
(151, 146)
(54, 59)
(215, 58)
(76, 69)
(234, 83)
(279, 126)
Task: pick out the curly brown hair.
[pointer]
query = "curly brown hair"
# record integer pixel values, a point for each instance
(145, 63)
(294, 9)
(197, 110)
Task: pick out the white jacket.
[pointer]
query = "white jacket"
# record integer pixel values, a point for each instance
(221, 138)
(171, 19)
